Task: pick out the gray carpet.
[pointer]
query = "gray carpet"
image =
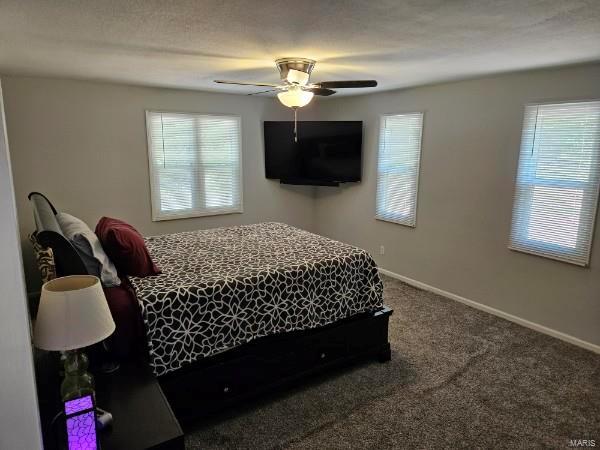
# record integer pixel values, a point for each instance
(458, 378)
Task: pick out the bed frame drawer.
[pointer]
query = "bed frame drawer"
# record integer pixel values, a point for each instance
(273, 362)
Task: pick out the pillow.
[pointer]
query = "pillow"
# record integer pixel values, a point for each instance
(89, 248)
(45, 259)
(126, 247)
(129, 337)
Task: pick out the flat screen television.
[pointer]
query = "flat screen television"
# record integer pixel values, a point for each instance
(327, 153)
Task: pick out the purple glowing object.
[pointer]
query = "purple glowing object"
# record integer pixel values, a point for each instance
(81, 423)
(81, 431)
(78, 405)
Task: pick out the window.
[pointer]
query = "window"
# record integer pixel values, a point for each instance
(557, 181)
(398, 168)
(195, 164)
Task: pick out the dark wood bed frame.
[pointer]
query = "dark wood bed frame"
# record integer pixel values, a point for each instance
(261, 366)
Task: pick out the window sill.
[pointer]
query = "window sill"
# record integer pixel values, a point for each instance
(404, 222)
(553, 257)
(191, 215)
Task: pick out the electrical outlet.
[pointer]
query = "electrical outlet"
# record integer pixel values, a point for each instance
(381, 250)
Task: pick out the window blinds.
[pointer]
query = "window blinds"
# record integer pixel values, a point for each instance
(557, 182)
(398, 168)
(195, 164)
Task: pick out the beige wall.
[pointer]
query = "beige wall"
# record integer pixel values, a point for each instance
(83, 144)
(471, 139)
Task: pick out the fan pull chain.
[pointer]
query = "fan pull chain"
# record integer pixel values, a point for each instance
(295, 124)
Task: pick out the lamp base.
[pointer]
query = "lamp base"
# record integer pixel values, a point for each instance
(78, 382)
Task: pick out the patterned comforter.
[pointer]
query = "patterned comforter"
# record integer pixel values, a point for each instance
(222, 287)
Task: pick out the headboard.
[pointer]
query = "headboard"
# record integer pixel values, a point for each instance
(49, 234)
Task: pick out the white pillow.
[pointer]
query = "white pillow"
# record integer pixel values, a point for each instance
(90, 249)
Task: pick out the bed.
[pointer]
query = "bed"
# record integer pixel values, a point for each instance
(242, 310)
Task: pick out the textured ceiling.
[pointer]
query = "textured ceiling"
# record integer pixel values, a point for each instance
(189, 43)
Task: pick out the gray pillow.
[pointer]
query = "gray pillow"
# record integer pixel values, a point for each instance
(89, 248)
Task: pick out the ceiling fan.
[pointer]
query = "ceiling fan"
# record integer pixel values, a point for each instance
(295, 90)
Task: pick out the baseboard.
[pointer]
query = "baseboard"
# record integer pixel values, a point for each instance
(496, 312)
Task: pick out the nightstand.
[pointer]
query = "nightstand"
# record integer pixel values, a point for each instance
(142, 416)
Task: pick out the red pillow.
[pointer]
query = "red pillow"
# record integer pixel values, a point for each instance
(128, 338)
(125, 246)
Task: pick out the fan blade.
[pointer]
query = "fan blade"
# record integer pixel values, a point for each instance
(347, 84)
(320, 91)
(246, 83)
(263, 92)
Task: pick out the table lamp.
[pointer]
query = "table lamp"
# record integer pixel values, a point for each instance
(73, 313)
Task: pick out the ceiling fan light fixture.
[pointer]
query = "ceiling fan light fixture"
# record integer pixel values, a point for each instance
(295, 97)
(297, 77)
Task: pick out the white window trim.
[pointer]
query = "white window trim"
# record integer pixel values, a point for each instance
(538, 254)
(382, 117)
(157, 216)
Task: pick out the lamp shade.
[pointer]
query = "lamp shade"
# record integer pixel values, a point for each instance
(73, 313)
(295, 97)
